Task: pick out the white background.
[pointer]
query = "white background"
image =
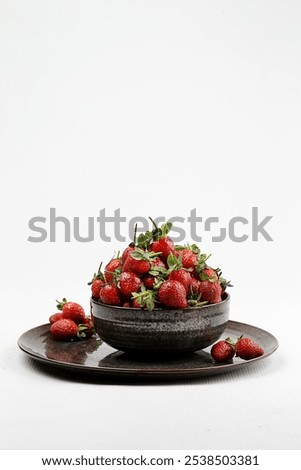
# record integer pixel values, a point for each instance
(156, 108)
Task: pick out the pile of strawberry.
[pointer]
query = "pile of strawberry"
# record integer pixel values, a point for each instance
(245, 348)
(71, 323)
(154, 272)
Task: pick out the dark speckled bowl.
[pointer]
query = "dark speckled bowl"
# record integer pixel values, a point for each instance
(161, 331)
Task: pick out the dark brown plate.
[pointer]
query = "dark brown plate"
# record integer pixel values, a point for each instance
(95, 357)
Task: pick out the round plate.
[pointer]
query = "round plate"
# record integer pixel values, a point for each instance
(94, 357)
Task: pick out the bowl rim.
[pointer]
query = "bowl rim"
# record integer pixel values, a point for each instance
(159, 309)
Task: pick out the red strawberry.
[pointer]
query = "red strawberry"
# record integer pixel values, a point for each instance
(127, 252)
(195, 285)
(64, 330)
(164, 245)
(139, 261)
(247, 348)
(157, 262)
(127, 304)
(86, 329)
(55, 317)
(184, 277)
(223, 350)
(149, 281)
(98, 281)
(211, 291)
(110, 269)
(189, 258)
(72, 311)
(95, 288)
(209, 274)
(129, 283)
(110, 294)
(146, 298)
(136, 303)
(172, 294)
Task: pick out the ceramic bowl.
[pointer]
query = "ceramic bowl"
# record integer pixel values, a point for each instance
(161, 331)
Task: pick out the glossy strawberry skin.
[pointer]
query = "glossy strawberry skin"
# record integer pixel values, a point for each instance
(165, 246)
(129, 249)
(222, 351)
(129, 282)
(210, 291)
(95, 288)
(111, 268)
(73, 311)
(189, 259)
(149, 281)
(136, 304)
(138, 267)
(172, 294)
(184, 277)
(194, 285)
(64, 330)
(110, 295)
(247, 349)
(55, 317)
(210, 274)
(157, 262)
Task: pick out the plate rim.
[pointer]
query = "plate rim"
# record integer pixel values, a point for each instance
(143, 372)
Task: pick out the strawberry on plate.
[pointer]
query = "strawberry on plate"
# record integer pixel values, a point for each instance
(71, 310)
(55, 317)
(64, 330)
(247, 348)
(223, 350)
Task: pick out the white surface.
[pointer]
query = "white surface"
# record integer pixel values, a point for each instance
(155, 108)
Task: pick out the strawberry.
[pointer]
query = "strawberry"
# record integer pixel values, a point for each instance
(64, 330)
(223, 350)
(164, 246)
(209, 274)
(55, 317)
(72, 311)
(110, 294)
(189, 258)
(161, 242)
(95, 288)
(144, 298)
(127, 252)
(183, 276)
(172, 294)
(98, 281)
(194, 285)
(139, 261)
(247, 348)
(126, 304)
(86, 329)
(137, 266)
(129, 283)
(157, 263)
(111, 269)
(149, 281)
(210, 291)
(136, 303)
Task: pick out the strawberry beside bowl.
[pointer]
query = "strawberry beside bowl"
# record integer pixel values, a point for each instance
(161, 331)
